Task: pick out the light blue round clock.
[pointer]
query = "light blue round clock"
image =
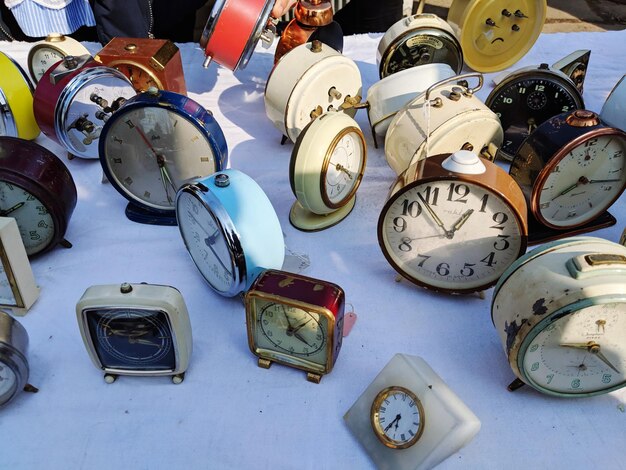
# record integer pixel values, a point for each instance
(152, 145)
(230, 230)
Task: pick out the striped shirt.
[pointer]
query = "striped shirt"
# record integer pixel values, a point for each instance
(37, 20)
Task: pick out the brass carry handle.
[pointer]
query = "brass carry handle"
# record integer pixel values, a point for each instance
(457, 78)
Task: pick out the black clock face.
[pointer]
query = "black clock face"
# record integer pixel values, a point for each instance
(524, 104)
(132, 339)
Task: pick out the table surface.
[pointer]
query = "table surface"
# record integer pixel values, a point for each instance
(229, 413)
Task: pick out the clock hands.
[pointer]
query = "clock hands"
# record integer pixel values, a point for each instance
(340, 167)
(593, 348)
(4, 213)
(395, 421)
(434, 216)
(459, 223)
(583, 180)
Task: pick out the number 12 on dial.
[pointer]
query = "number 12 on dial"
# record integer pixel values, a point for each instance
(454, 232)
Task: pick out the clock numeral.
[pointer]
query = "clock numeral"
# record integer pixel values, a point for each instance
(540, 88)
(521, 90)
(571, 214)
(443, 269)
(483, 202)
(421, 263)
(399, 224)
(467, 270)
(405, 245)
(431, 195)
(544, 205)
(382, 410)
(411, 404)
(507, 100)
(117, 160)
(535, 366)
(205, 159)
(29, 197)
(607, 188)
(412, 209)
(556, 169)
(130, 124)
(403, 437)
(576, 383)
(489, 259)
(34, 235)
(119, 141)
(460, 190)
(42, 224)
(549, 377)
(618, 154)
(128, 181)
(41, 210)
(591, 142)
(565, 109)
(501, 247)
(606, 378)
(500, 219)
(534, 347)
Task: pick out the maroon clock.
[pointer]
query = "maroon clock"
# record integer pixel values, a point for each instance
(36, 189)
(296, 321)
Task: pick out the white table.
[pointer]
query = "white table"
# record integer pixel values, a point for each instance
(228, 413)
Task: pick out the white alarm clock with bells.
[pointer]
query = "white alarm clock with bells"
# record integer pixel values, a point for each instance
(18, 290)
(390, 94)
(445, 118)
(560, 312)
(408, 418)
(309, 80)
(327, 165)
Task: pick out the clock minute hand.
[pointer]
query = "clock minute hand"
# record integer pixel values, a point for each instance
(593, 348)
(604, 181)
(434, 216)
(397, 418)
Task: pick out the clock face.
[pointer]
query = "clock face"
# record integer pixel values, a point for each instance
(141, 78)
(8, 382)
(450, 234)
(583, 183)
(397, 417)
(129, 338)
(291, 334)
(525, 103)
(42, 59)
(580, 353)
(345, 167)
(205, 242)
(33, 219)
(150, 152)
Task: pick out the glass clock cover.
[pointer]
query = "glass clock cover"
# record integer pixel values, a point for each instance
(560, 313)
(157, 142)
(230, 230)
(135, 329)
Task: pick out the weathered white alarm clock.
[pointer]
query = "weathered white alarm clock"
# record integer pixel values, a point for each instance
(408, 418)
(417, 40)
(309, 80)
(560, 312)
(18, 290)
(495, 34)
(50, 50)
(390, 94)
(445, 118)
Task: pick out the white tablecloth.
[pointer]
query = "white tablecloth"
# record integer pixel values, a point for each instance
(228, 413)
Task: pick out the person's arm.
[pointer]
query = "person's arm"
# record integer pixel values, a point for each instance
(281, 7)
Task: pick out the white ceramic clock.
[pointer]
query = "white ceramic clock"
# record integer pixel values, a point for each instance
(18, 290)
(408, 418)
(308, 81)
(327, 165)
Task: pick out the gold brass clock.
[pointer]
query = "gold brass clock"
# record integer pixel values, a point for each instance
(50, 50)
(397, 417)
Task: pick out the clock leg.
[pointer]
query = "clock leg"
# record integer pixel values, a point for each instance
(110, 378)
(264, 363)
(315, 378)
(178, 378)
(517, 383)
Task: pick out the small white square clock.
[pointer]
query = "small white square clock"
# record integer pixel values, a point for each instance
(18, 290)
(408, 418)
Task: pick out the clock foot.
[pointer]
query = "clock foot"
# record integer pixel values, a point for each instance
(315, 378)
(264, 363)
(70, 156)
(65, 244)
(517, 383)
(178, 378)
(283, 139)
(30, 388)
(110, 378)
(207, 61)
(307, 221)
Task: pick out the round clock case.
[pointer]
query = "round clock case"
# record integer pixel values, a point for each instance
(233, 29)
(560, 313)
(418, 40)
(527, 98)
(73, 100)
(159, 140)
(453, 223)
(13, 362)
(571, 169)
(47, 52)
(455, 119)
(494, 34)
(236, 219)
(16, 101)
(31, 174)
(307, 81)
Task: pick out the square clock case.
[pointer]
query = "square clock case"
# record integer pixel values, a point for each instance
(408, 418)
(136, 329)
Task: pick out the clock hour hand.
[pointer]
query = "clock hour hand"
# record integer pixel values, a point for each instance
(166, 178)
(434, 216)
(206, 241)
(299, 327)
(459, 223)
(395, 421)
(145, 342)
(4, 213)
(604, 181)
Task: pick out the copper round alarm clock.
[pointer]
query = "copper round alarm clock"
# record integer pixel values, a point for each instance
(36, 189)
(571, 169)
